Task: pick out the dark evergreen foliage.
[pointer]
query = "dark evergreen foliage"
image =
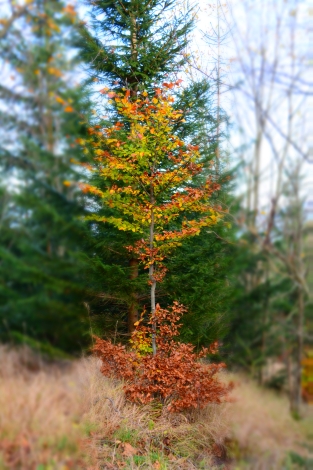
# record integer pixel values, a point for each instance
(42, 288)
(133, 42)
(51, 261)
(137, 44)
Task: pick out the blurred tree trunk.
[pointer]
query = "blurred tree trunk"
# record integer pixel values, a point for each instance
(133, 307)
(296, 392)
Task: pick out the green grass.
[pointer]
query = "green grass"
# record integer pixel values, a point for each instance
(125, 434)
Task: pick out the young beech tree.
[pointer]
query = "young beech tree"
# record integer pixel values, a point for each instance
(149, 173)
(174, 375)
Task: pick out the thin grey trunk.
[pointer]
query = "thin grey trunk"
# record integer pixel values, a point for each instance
(134, 41)
(133, 308)
(299, 274)
(256, 176)
(217, 151)
(264, 331)
(151, 273)
(134, 53)
(249, 193)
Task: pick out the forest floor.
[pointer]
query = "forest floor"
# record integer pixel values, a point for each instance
(66, 416)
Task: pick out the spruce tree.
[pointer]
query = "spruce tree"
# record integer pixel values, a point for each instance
(42, 104)
(136, 45)
(130, 43)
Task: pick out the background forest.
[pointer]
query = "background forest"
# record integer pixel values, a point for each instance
(243, 88)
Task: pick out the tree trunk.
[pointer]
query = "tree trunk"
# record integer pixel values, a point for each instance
(134, 263)
(151, 272)
(256, 176)
(153, 286)
(264, 332)
(296, 397)
(218, 91)
(134, 53)
(133, 308)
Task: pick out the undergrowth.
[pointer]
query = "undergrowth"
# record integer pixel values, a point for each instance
(173, 375)
(67, 415)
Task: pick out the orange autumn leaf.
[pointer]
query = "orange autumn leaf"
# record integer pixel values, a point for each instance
(59, 100)
(129, 450)
(104, 90)
(54, 71)
(70, 10)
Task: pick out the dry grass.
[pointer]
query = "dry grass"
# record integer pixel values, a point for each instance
(127, 436)
(40, 413)
(68, 416)
(61, 416)
(262, 431)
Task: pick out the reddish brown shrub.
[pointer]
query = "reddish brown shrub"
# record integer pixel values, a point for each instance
(176, 375)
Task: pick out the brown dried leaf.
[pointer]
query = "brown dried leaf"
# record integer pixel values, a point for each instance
(129, 450)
